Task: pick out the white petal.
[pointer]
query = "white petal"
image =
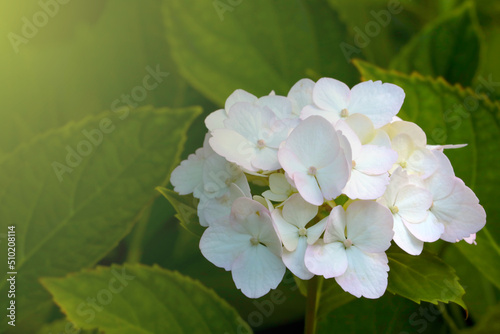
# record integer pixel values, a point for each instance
(311, 110)
(301, 95)
(308, 188)
(404, 239)
(188, 175)
(295, 260)
(335, 226)
(288, 233)
(375, 160)
(429, 230)
(362, 126)
(333, 177)
(216, 120)
(298, 212)
(239, 95)
(314, 232)
(234, 147)
(413, 203)
(362, 186)
(366, 274)
(369, 226)
(460, 212)
(328, 260)
(221, 245)
(380, 102)
(257, 270)
(266, 159)
(411, 129)
(331, 94)
(422, 162)
(279, 105)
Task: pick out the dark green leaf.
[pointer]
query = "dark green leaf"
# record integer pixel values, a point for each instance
(449, 47)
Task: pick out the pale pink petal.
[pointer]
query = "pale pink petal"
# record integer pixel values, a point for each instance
(366, 274)
(311, 110)
(333, 177)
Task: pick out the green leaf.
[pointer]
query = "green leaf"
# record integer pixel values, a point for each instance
(449, 47)
(103, 50)
(485, 256)
(479, 291)
(388, 314)
(185, 206)
(221, 46)
(71, 208)
(450, 114)
(332, 297)
(489, 324)
(175, 303)
(423, 278)
(63, 326)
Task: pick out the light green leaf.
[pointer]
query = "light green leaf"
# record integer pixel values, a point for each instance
(185, 206)
(74, 192)
(449, 47)
(450, 114)
(140, 299)
(423, 278)
(222, 46)
(89, 58)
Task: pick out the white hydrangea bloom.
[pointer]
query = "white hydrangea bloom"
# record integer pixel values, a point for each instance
(279, 188)
(334, 100)
(291, 224)
(409, 204)
(353, 249)
(313, 158)
(249, 246)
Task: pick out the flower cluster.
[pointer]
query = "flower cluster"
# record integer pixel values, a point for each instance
(342, 176)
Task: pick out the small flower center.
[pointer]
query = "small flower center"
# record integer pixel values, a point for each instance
(394, 209)
(302, 232)
(347, 243)
(261, 143)
(344, 113)
(312, 171)
(403, 164)
(353, 164)
(254, 241)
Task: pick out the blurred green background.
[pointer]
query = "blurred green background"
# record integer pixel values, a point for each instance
(63, 72)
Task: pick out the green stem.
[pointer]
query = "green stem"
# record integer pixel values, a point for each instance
(135, 251)
(312, 302)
